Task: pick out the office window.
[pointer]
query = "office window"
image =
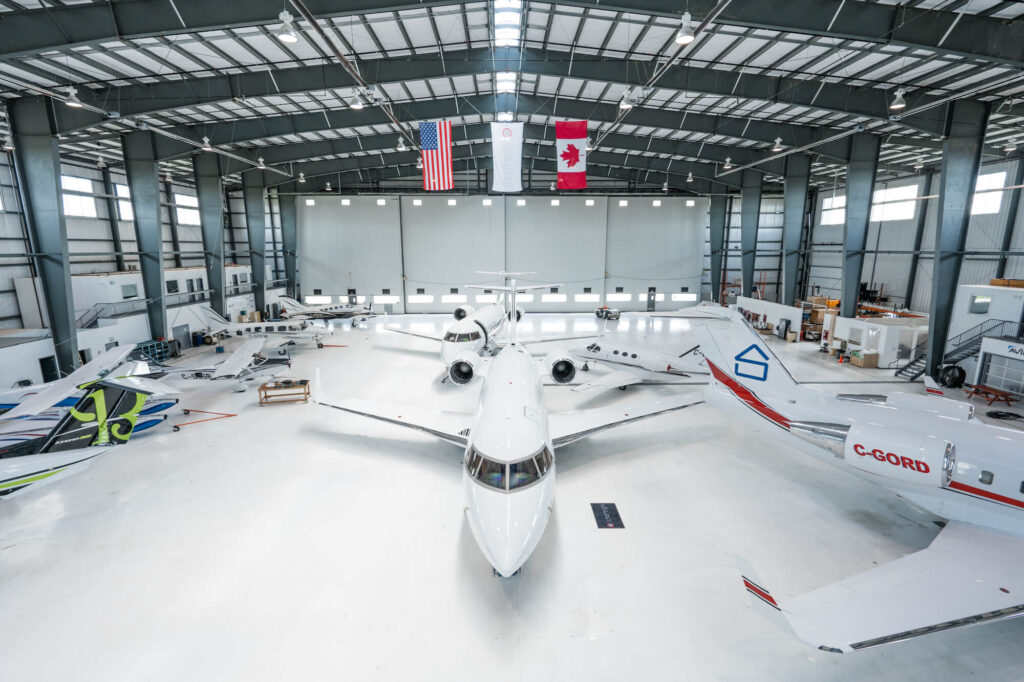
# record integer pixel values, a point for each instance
(385, 291)
(76, 204)
(124, 204)
(618, 290)
(453, 291)
(421, 291)
(833, 210)
(988, 202)
(895, 203)
(187, 209)
(986, 477)
(172, 286)
(587, 290)
(129, 291)
(979, 304)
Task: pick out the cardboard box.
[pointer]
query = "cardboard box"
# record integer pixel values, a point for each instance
(819, 300)
(818, 316)
(791, 337)
(867, 360)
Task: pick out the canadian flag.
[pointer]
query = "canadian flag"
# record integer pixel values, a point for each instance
(571, 148)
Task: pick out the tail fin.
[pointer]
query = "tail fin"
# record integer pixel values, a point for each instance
(291, 304)
(932, 387)
(736, 354)
(216, 321)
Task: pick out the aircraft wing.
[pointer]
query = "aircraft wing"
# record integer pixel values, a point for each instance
(408, 333)
(569, 427)
(969, 575)
(620, 377)
(139, 385)
(68, 386)
(239, 359)
(451, 427)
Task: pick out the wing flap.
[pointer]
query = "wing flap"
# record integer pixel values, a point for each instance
(569, 427)
(969, 575)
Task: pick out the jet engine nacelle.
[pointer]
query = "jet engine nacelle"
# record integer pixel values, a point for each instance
(461, 369)
(943, 407)
(463, 311)
(519, 313)
(562, 368)
(905, 456)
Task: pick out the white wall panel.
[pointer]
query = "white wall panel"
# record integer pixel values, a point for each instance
(350, 247)
(445, 246)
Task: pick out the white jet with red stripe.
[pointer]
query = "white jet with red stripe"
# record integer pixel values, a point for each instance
(931, 451)
(508, 443)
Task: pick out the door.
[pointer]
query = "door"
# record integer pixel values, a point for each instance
(191, 284)
(181, 335)
(48, 366)
(651, 291)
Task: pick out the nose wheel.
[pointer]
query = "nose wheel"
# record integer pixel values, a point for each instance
(495, 573)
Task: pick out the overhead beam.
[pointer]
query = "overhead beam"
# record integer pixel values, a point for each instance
(716, 236)
(961, 157)
(30, 32)
(37, 162)
(253, 191)
(140, 166)
(750, 214)
(154, 98)
(860, 185)
(794, 208)
(210, 193)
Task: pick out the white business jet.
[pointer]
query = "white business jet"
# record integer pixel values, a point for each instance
(636, 364)
(291, 309)
(929, 450)
(290, 331)
(509, 443)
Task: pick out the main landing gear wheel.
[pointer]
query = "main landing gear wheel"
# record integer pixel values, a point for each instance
(495, 573)
(184, 411)
(282, 352)
(623, 388)
(585, 367)
(319, 345)
(176, 428)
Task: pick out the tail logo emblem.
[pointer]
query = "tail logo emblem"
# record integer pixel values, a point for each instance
(752, 363)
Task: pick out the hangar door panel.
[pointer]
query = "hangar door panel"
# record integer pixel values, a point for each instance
(350, 247)
(656, 246)
(562, 244)
(445, 246)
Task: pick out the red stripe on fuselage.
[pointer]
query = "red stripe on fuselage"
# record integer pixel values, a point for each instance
(748, 397)
(971, 490)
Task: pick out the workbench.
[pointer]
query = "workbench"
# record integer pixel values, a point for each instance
(284, 391)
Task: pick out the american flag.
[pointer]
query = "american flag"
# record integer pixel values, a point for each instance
(436, 143)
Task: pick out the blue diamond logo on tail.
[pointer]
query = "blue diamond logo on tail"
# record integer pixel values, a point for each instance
(752, 363)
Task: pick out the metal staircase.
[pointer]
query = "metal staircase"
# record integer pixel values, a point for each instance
(960, 347)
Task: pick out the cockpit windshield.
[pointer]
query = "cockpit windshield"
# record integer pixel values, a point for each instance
(505, 477)
(462, 337)
(594, 348)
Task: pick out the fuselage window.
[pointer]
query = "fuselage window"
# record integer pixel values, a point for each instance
(257, 329)
(615, 352)
(282, 328)
(986, 477)
(633, 356)
(238, 332)
(248, 329)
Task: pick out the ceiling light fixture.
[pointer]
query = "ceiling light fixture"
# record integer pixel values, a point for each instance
(327, 187)
(260, 164)
(207, 147)
(627, 100)
(689, 177)
(728, 163)
(590, 146)
(419, 162)
(302, 178)
(286, 34)
(401, 144)
(100, 163)
(357, 102)
(664, 187)
(8, 145)
(552, 187)
(919, 164)
(777, 147)
(1011, 147)
(898, 102)
(72, 100)
(685, 35)
(168, 177)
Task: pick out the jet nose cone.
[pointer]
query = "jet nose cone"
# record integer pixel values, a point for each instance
(508, 526)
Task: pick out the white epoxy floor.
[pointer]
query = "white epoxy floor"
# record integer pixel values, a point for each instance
(293, 542)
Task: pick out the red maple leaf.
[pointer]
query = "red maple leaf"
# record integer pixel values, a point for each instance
(571, 155)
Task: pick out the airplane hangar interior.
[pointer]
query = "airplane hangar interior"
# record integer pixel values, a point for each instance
(305, 305)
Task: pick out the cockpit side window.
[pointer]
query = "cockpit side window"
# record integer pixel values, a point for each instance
(544, 460)
(451, 336)
(522, 473)
(593, 348)
(491, 474)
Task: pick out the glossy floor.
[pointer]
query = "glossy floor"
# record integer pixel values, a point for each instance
(294, 542)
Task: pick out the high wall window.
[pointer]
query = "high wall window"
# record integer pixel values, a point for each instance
(833, 210)
(124, 203)
(894, 203)
(186, 215)
(77, 204)
(988, 202)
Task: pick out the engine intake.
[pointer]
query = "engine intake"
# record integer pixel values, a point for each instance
(463, 311)
(461, 370)
(519, 313)
(563, 369)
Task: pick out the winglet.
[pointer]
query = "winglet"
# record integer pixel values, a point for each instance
(761, 598)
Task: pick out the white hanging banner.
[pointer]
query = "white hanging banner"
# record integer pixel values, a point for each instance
(507, 152)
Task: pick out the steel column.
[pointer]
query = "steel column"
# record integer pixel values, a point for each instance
(750, 213)
(860, 184)
(144, 184)
(290, 242)
(209, 189)
(717, 238)
(172, 219)
(1012, 207)
(798, 177)
(253, 190)
(37, 161)
(113, 216)
(961, 156)
(922, 214)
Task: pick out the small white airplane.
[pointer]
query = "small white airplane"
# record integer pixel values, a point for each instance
(291, 331)
(929, 450)
(109, 413)
(509, 443)
(245, 364)
(291, 309)
(635, 364)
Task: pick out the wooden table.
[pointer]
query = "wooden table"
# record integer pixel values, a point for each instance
(284, 391)
(990, 394)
